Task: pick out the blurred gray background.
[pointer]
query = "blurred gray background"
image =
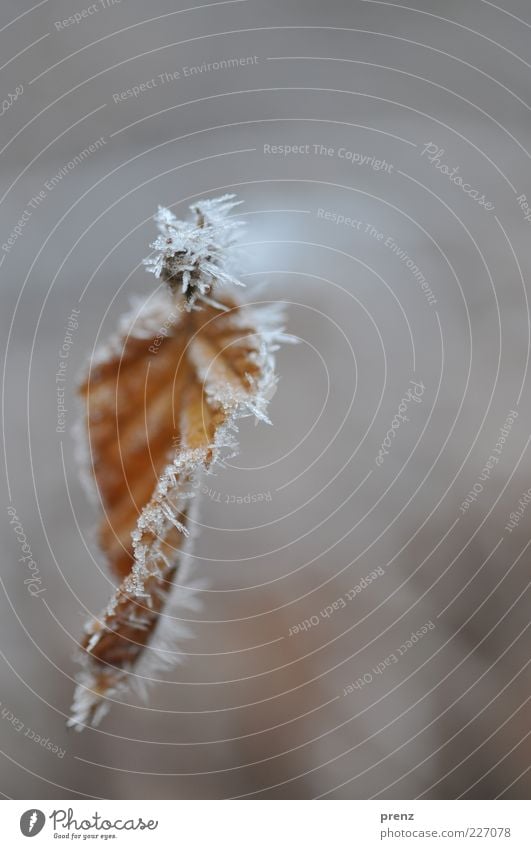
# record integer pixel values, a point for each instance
(252, 711)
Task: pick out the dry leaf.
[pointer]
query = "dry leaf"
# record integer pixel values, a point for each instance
(161, 404)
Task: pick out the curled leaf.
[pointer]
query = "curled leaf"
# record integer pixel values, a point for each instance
(161, 405)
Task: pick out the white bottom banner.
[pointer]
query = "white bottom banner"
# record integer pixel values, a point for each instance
(267, 823)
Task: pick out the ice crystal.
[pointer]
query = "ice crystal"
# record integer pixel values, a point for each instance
(196, 256)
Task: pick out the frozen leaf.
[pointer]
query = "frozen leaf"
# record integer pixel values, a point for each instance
(161, 402)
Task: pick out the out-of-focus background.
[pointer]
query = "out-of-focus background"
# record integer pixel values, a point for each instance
(382, 152)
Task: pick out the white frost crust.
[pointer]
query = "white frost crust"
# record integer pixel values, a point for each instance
(162, 653)
(198, 254)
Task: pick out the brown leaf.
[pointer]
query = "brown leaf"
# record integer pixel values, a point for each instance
(161, 403)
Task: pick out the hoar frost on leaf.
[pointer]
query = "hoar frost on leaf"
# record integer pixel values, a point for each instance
(195, 256)
(156, 417)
